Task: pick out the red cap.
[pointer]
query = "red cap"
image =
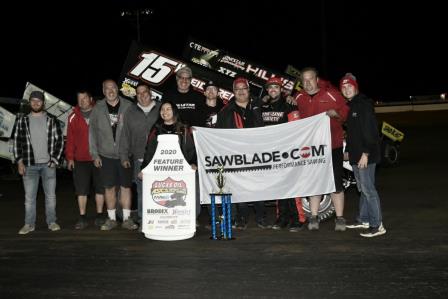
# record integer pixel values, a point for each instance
(240, 80)
(274, 81)
(348, 79)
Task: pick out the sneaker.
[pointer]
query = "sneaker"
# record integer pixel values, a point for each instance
(81, 224)
(295, 228)
(339, 224)
(129, 224)
(313, 223)
(54, 227)
(109, 224)
(358, 224)
(100, 220)
(263, 225)
(279, 224)
(373, 232)
(242, 224)
(27, 228)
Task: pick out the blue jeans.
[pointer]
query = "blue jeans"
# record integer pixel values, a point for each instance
(31, 185)
(369, 201)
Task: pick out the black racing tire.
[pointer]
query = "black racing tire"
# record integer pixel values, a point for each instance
(326, 208)
(391, 154)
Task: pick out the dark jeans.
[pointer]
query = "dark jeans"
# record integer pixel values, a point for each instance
(242, 210)
(287, 211)
(369, 201)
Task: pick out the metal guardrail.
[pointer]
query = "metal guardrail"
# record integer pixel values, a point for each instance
(412, 105)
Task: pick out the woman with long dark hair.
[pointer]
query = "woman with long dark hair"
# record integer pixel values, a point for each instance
(169, 123)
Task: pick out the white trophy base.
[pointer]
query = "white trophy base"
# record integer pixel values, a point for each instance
(170, 238)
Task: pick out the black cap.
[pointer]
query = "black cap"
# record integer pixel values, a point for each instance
(37, 95)
(210, 83)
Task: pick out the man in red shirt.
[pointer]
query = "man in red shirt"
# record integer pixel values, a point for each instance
(316, 97)
(80, 161)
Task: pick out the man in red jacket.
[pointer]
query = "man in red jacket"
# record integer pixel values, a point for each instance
(316, 97)
(80, 161)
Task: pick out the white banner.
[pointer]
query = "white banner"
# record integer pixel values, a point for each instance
(282, 161)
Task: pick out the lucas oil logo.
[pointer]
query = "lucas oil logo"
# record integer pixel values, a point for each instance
(169, 193)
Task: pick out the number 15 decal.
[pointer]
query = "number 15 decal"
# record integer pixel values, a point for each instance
(154, 68)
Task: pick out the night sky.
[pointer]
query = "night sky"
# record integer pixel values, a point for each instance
(395, 51)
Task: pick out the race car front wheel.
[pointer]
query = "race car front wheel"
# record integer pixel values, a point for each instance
(326, 208)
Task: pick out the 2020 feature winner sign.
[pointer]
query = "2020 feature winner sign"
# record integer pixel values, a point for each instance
(282, 161)
(169, 193)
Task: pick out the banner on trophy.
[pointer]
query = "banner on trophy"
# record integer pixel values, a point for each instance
(282, 161)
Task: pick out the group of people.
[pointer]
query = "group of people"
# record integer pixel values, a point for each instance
(111, 141)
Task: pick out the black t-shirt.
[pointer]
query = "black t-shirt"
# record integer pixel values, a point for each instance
(211, 114)
(113, 116)
(191, 106)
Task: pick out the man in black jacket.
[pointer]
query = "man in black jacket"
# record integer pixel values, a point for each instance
(242, 112)
(363, 150)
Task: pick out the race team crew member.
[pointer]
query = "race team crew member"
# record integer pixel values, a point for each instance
(316, 97)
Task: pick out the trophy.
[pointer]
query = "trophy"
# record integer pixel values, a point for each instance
(220, 179)
(224, 220)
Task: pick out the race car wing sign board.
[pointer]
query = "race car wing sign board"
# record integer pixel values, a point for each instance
(156, 69)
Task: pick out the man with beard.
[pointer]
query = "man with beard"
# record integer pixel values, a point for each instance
(275, 110)
(38, 146)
